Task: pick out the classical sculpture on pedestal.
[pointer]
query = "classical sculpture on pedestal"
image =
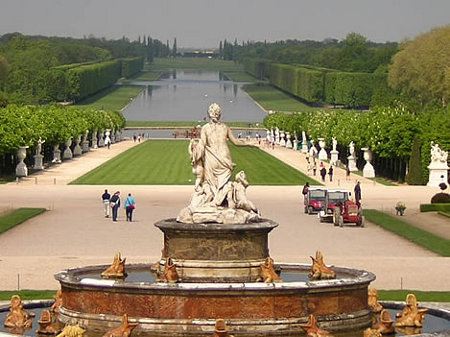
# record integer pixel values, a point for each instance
(268, 273)
(411, 315)
(374, 305)
(438, 168)
(169, 274)
(312, 329)
(117, 269)
(18, 317)
(123, 330)
(216, 198)
(319, 271)
(47, 324)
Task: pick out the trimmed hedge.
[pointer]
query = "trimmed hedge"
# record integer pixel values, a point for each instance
(258, 68)
(131, 66)
(434, 207)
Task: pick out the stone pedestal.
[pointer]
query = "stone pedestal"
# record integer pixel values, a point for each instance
(437, 175)
(282, 140)
(56, 154)
(85, 143)
(334, 157)
(352, 164)
(67, 154)
(304, 146)
(94, 140)
(38, 162)
(288, 140)
(322, 153)
(368, 170)
(77, 151)
(21, 168)
(101, 139)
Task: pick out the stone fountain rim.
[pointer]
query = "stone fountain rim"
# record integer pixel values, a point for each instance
(257, 225)
(361, 277)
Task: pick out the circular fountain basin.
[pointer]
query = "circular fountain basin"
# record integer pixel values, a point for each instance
(192, 308)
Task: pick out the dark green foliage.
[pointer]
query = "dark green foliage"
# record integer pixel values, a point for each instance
(131, 66)
(444, 207)
(441, 198)
(259, 68)
(414, 176)
(423, 238)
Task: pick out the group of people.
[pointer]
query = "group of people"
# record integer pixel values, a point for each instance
(113, 203)
(312, 166)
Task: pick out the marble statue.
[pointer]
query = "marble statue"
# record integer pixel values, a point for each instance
(411, 315)
(58, 302)
(304, 143)
(268, 273)
(352, 157)
(169, 274)
(123, 330)
(220, 329)
(369, 332)
(334, 143)
(38, 157)
(117, 269)
(351, 148)
(385, 325)
(319, 271)
(48, 325)
(72, 330)
(18, 317)
(322, 153)
(438, 168)
(56, 154)
(216, 198)
(334, 152)
(374, 305)
(312, 329)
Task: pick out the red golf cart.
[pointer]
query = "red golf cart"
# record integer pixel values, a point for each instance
(348, 212)
(315, 199)
(332, 198)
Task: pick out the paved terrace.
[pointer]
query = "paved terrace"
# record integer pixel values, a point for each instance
(74, 232)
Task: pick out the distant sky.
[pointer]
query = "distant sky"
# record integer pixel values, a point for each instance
(203, 23)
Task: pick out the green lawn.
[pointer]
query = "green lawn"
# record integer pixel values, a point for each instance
(423, 238)
(18, 216)
(166, 162)
(239, 76)
(422, 296)
(144, 76)
(27, 295)
(114, 98)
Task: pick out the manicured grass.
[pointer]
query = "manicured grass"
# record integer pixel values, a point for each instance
(164, 64)
(423, 238)
(28, 294)
(422, 296)
(446, 214)
(240, 77)
(144, 76)
(189, 124)
(273, 99)
(18, 216)
(166, 162)
(114, 98)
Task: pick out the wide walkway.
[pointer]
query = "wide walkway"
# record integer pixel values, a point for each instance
(74, 231)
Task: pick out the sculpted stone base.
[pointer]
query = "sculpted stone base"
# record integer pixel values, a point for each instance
(437, 176)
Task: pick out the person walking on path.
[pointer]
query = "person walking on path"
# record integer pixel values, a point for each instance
(357, 191)
(115, 204)
(314, 167)
(130, 205)
(323, 173)
(330, 173)
(347, 172)
(105, 199)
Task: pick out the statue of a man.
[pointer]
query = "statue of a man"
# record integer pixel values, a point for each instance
(351, 147)
(334, 140)
(218, 165)
(39, 146)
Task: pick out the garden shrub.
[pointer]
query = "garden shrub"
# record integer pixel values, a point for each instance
(414, 176)
(441, 198)
(435, 207)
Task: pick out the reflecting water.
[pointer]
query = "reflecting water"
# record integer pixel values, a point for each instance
(185, 96)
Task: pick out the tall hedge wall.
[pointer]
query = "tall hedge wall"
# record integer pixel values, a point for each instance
(320, 85)
(259, 68)
(131, 66)
(86, 80)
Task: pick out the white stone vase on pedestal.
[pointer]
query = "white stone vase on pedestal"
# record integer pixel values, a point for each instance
(56, 154)
(113, 137)
(304, 143)
(21, 168)
(94, 140)
(277, 136)
(368, 170)
(288, 140)
(101, 138)
(77, 151)
(85, 142)
(67, 154)
(282, 140)
(322, 153)
(438, 168)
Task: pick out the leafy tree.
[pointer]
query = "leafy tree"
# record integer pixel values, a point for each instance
(421, 67)
(174, 49)
(414, 176)
(4, 68)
